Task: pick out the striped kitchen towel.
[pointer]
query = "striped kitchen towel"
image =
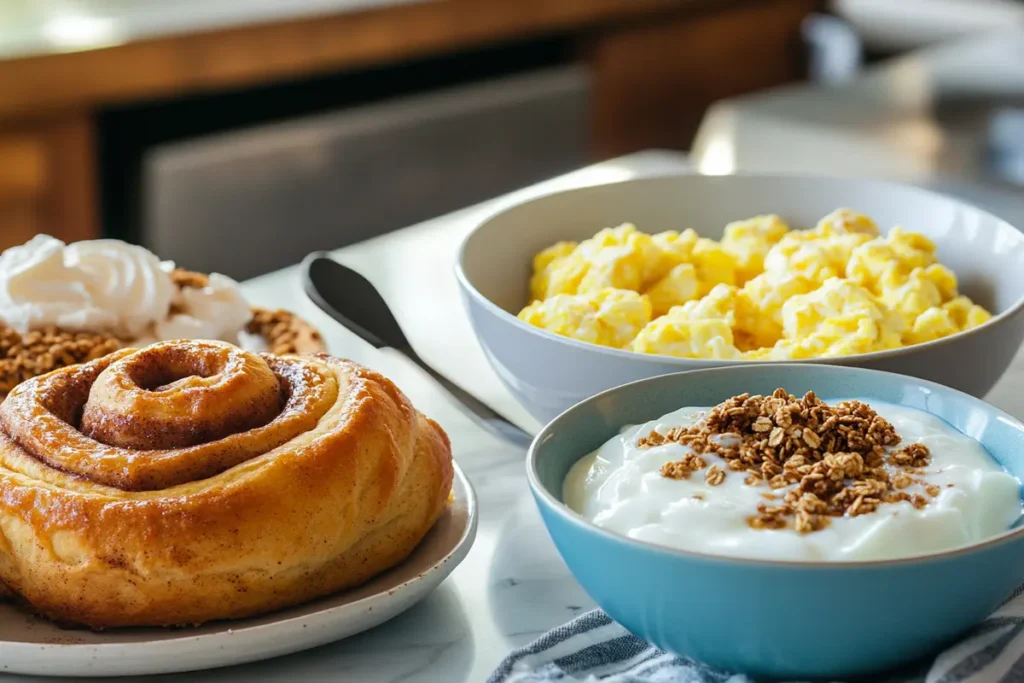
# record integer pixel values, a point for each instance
(592, 648)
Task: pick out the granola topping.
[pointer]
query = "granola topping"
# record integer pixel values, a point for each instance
(832, 457)
(782, 477)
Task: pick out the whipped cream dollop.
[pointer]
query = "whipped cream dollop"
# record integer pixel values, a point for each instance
(217, 311)
(112, 287)
(620, 488)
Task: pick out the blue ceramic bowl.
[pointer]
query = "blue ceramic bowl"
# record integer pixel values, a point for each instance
(785, 619)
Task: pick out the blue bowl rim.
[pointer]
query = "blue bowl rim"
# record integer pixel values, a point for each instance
(502, 314)
(575, 519)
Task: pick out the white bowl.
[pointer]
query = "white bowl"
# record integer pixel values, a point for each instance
(549, 373)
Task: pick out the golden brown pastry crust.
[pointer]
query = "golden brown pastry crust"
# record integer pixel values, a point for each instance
(339, 486)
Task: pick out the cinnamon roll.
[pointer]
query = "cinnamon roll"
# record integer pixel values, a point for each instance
(191, 480)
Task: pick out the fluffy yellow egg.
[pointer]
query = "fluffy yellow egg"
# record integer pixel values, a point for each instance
(846, 221)
(846, 337)
(685, 338)
(697, 329)
(954, 316)
(764, 292)
(610, 317)
(766, 353)
(749, 241)
(933, 323)
(966, 314)
(759, 307)
(713, 264)
(812, 255)
(922, 289)
(678, 286)
(678, 246)
(614, 258)
(839, 318)
(888, 261)
(544, 264)
(720, 302)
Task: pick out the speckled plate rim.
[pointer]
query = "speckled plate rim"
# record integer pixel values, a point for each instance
(136, 652)
(1016, 309)
(574, 518)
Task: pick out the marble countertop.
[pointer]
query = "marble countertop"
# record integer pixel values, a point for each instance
(30, 28)
(513, 586)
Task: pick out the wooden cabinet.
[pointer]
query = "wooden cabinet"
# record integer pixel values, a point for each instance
(47, 179)
(654, 79)
(655, 66)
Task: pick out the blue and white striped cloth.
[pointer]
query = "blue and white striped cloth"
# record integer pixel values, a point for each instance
(592, 648)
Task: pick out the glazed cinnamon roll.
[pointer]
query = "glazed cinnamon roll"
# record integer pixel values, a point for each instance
(190, 481)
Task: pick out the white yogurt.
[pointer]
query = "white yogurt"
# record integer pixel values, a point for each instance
(620, 488)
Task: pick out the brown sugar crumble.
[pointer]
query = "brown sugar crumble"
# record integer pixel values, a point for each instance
(23, 356)
(833, 456)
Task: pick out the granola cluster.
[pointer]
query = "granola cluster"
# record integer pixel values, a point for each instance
(833, 457)
(284, 331)
(40, 351)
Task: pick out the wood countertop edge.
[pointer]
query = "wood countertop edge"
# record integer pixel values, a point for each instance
(248, 55)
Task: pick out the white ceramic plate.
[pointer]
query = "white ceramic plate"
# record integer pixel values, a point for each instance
(30, 645)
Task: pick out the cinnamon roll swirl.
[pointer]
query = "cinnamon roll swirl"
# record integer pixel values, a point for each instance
(191, 480)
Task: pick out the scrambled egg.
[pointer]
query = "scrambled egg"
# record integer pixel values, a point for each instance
(764, 292)
(839, 318)
(749, 241)
(823, 252)
(759, 308)
(697, 329)
(609, 317)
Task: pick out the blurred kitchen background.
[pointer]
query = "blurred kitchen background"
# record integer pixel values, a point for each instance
(238, 135)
